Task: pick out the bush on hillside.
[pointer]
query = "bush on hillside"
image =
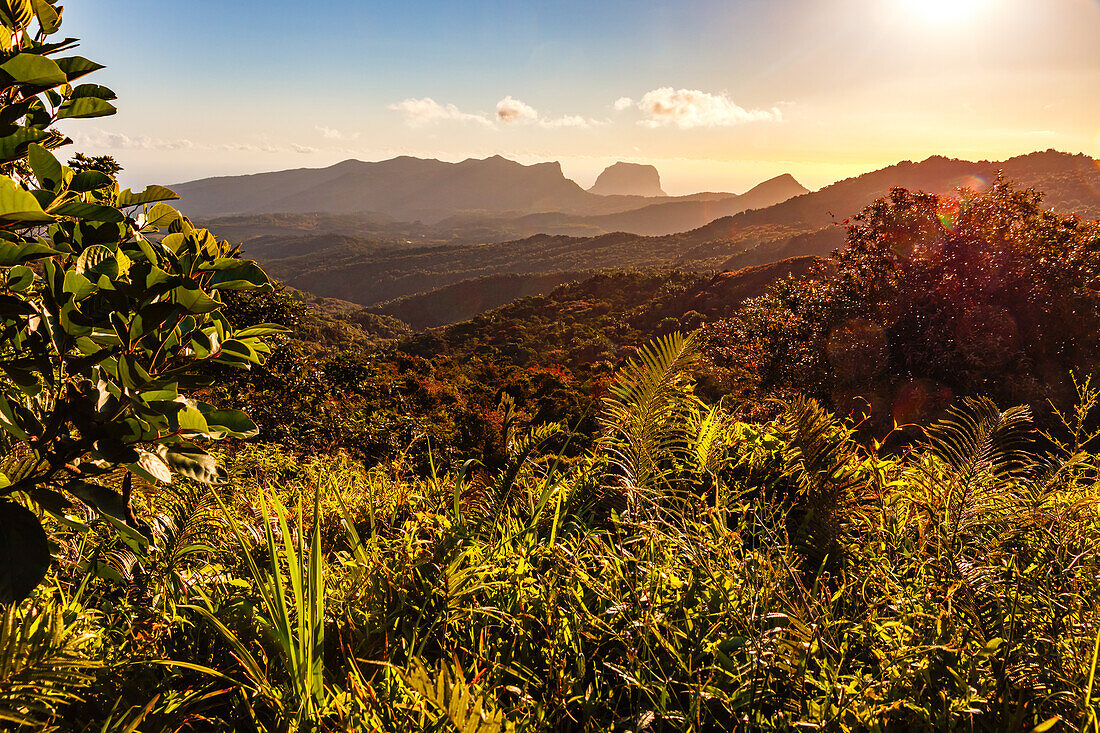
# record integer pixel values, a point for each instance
(932, 299)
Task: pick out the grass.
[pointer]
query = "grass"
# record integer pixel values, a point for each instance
(692, 573)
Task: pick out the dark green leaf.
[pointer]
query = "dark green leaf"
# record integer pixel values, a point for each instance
(20, 278)
(89, 212)
(25, 549)
(100, 498)
(90, 180)
(77, 66)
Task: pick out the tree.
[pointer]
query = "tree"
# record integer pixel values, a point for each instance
(108, 301)
(934, 298)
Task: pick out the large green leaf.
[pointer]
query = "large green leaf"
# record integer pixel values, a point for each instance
(191, 420)
(150, 195)
(20, 278)
(77, 66)
(100, 498)
(14, 254)
(89, 212)
(161, 215)
(195, 463)
(92, 90)
(25, 551)
(48, 17)
(46, 168)
(245, 276)
(195, 301)
(19, 205)
(14, 145)
(112, 507)
(90, 180)
(30, 68)
(262, 329)
(85, 107)
(233, 423)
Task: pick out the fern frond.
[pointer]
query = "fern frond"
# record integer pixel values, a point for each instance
(643, 415)
(819, 458)
(977, 437)
(709, 432)
(189, 528)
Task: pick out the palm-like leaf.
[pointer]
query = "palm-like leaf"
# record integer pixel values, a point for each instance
(45, 662)
(981, 456)
(977, 437)
(643, 415)
(459, 701)
(819, 458)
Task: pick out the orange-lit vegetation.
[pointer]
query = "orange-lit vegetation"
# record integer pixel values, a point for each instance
(562, 515)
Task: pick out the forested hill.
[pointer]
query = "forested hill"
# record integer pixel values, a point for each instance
(364, 272)
(553, 353)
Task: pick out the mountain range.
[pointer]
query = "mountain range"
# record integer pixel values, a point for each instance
(493, 194)
(440, 282)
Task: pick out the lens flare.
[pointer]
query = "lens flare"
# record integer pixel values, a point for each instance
(947, 211)
(974, 184)
(921, 401)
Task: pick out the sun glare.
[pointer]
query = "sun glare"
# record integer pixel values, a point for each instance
(943, 11)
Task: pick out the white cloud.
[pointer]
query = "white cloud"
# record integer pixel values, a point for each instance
(567, 121)
(511, 111)
(119, 141)
(330, 133)
(623, 103)
(104, 140)
(688, 108)
(427, 110)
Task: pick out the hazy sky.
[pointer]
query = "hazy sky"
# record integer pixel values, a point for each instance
(717, 95)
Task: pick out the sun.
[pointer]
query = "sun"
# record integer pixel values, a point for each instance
(942, 10)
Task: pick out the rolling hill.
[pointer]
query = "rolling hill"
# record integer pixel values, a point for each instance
(370, 273)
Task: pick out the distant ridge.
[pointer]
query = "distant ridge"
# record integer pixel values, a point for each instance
(404, 187)
(361, 271)
(491, 193)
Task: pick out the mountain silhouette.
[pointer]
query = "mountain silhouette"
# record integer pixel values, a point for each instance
(491, 194)
(628, 179)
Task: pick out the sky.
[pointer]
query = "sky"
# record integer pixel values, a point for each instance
(717, 95)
